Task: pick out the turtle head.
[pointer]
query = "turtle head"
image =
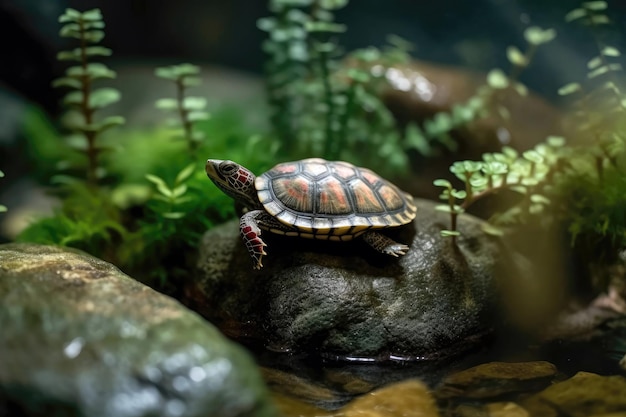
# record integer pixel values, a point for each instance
(234, 180)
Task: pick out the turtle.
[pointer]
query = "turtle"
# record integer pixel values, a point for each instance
(316, 199)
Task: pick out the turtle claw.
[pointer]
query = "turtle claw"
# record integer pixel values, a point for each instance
(384, 244)
(396, 250)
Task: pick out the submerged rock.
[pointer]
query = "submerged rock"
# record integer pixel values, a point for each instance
(493, 379)
(346, 301)
(585, 394)
(80, 338)
(410, 398)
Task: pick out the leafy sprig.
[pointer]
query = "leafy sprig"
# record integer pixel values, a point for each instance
(507, 170)
(171, 200)
(84, 100)
(321, 105)
(189, 109)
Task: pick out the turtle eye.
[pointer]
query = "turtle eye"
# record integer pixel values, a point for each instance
(228, 167)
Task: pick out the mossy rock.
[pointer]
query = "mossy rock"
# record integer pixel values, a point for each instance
(80, 338)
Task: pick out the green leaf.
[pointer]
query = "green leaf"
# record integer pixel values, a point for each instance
(458, 194)
(450, 233)
(266, 24)
(166, 72)
(106, 123)
(174, 215)
(195, 116)
(497, 79)
(594, 62)
(521, 89)
(70, 30)
(575, 14)
(94, 25)
(603, 70)
(70, 15)
(600, 19)
(556, 141)
(358, 75)
(73, 55)
(610, 51)
(98, 51)
(179, 191)
(298, 51)
(534, 35)
(492, 230)
(533, 156)
(103, 97)
(415, 139)
(73, 98)
(595, 5)
(442, 183)
(539, 199)
(194, 103)
(328, 27)
(94, 36)
(185, 173)
(516, 57)
(3, 208)
(333, 4)
(570, 88)
(92, 15)
(166, 104)
(93, 70)
(67, 82)
(160, 185)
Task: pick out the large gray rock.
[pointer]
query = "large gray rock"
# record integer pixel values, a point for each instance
(80, 338)
(345, 300)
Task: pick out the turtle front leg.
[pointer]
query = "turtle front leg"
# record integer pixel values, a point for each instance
(384, 244)
(250, 226)
(251, 235)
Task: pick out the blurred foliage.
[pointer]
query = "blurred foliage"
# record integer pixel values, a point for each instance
(83, 100)
(580, 184)
(324, 102)
(189, 109)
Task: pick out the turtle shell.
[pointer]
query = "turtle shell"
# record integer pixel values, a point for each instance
(332, 197)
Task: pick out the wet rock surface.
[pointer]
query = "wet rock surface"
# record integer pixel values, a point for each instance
(585, 394)
(346, 301)
(494, 379)
(80, 338)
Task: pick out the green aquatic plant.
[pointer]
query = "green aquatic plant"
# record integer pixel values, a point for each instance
(524, 173)
(189, 109)
(321, 99)
(84, 100)
(594, 189)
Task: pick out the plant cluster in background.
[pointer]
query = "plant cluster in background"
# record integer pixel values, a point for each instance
(84, 100)
(525, 174)
(324, 102)
(189, 109)
(153, 202)
(580, 184)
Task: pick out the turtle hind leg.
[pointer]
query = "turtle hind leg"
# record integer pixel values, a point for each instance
(384, 244)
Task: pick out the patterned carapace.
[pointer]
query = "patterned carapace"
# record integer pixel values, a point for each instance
(314, 198)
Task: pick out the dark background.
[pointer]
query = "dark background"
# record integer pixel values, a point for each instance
(468, 33)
